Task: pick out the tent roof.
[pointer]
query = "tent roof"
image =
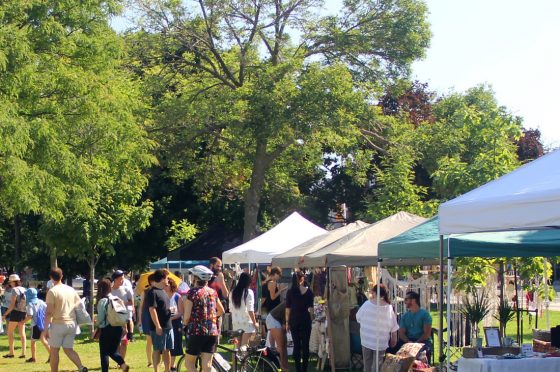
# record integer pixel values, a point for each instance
(359, 248)
(421, 243)
(293, 231)
(163, 263)
(526, 199)
(293, 257)
(211, 243)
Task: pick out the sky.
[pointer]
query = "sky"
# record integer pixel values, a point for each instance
(511, 45)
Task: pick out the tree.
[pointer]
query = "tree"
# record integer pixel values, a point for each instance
(238, 96)
(529, 145)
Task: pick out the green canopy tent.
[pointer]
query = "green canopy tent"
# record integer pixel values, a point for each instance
(421, 244)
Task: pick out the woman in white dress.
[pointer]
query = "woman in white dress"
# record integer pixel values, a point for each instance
(378, 327)
(242, 307)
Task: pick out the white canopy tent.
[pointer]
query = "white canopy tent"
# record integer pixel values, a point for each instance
(359, 248)
(293, 257)
(292, 231)
(526, 199)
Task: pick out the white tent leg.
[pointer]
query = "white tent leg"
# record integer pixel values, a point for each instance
(448, 315)
(378, 301)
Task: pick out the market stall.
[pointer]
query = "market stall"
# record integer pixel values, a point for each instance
(525, 199)
(294, 257)
(289, 233)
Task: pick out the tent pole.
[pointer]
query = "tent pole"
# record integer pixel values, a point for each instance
(448, 315)
(546, 294)
(378, 300)
(440, 300)
(516, 300)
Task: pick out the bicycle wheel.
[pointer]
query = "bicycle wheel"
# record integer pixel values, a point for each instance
(258, 363)
(181, 367)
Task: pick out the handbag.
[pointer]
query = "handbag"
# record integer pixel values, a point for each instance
(81, 315)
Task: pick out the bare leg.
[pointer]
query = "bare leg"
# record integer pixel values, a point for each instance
(190, 362)
(74, 357)
(33, 350)
(11, 329)
(205, 362)
(172, 361)
(54, 357)
(166, 355)
(22, 337)
(156, 354)
(245, 338)
(279, 337)
(149, 349)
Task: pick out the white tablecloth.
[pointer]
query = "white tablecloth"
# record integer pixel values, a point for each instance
(509, 365)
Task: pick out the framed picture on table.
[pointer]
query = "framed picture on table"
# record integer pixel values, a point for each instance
(493, 337)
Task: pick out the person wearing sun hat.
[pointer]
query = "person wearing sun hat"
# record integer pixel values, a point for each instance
(36, 310)
(16, 313)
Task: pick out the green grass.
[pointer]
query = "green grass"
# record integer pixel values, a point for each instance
(136, 356)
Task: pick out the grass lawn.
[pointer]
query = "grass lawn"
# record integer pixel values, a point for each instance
(136, 357)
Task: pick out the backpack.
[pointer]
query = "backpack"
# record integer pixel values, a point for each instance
(116, 312)
(40, 316)
(21, 304)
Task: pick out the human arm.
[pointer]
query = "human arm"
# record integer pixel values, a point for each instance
(222, 280)
(219, 308)
(49, 312)
(101, 311)
(180, 308)
(251, 308)
(393, 340)
(288, 310)
(11, 307)
(153, 315)
(188, 304)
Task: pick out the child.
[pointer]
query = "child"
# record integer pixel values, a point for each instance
(36, 310)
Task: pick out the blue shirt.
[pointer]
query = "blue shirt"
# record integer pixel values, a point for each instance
(414, 323)
(101, 319)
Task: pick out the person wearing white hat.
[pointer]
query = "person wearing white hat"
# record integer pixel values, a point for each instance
(16, 312)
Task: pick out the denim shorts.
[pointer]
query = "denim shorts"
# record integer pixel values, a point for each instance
(272, 323)
(163, 342)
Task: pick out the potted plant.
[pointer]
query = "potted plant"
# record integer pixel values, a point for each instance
(475, 308)
(504, 315)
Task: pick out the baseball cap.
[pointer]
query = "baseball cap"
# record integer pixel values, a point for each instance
(117, 274)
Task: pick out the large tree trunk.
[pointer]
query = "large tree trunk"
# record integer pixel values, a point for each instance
(17, 243)
(52, 258)
(253, 195)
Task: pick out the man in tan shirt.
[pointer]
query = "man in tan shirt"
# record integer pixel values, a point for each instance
(61, 301)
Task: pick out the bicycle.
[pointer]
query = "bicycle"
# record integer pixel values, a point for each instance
(245, 358)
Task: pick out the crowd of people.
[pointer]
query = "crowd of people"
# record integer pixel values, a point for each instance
(172, 314)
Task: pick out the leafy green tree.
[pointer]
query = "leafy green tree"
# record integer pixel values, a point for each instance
(244, 105)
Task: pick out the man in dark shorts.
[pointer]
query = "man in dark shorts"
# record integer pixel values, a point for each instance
(202, 310)
(161, 330)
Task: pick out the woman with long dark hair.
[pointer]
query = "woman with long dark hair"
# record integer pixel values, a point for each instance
(110, 337)
(242, 307)
(378, 327)
(299, 305)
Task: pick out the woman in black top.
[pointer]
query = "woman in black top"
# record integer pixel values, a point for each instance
(271, 291)
(299, 304)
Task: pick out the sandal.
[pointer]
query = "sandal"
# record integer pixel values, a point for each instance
(8, 356)
(30, 360)
(22, 356)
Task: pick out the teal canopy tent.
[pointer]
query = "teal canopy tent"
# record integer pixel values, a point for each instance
(420, 245)
(165, 264)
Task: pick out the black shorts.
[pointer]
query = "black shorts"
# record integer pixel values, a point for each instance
(35, 333)
(17, 316)
(202, 344)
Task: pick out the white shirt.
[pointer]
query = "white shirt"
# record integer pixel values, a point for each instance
(240, 316)
(376, 325)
